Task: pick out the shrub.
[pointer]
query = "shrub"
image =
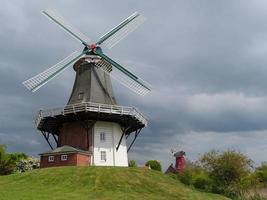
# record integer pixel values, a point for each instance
(132, 163)
(15, 162)
(6, 164)
(230, 171)
(261, 173)
(250, 197)
(28, 164)
(185, 177)
(202, 181)
(154, 164)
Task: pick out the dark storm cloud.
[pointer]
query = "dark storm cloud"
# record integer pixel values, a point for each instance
(206, 61)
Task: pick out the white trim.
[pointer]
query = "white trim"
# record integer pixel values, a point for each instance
(102, 136)
(51, 158)
(103, 156)
(114, 146)
(63, 157)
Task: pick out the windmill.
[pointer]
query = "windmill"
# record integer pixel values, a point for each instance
(180, 162)
(91, 129)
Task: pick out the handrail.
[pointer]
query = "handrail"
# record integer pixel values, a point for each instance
(91, 107)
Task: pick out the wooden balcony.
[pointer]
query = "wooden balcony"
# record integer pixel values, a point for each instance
(48, 120)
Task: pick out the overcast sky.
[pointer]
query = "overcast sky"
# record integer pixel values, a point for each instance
(206, 61)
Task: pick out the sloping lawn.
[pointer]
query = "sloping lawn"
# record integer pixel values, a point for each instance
(107, 183)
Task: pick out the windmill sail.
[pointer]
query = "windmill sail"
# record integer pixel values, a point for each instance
(110, 39)
(65, 25)
(41, 79)
(119, 32)
(124, 76)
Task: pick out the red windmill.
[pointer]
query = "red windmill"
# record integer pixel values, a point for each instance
(180, 163)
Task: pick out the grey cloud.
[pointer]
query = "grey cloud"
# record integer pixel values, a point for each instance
(205, 59)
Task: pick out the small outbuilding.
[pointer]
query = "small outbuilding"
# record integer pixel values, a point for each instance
(65, 156)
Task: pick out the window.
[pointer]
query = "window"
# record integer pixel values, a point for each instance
(64, 157)
(102, 137)
(51, 158)
(103, 156)
(80, 96)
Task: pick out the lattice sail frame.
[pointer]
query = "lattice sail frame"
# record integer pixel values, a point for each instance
(118, 33)
(120, 77)
(66, 26)
(41, 79)
(109, 39)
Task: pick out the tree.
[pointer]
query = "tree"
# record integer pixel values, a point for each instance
(229, 171)
(132, 163)
(15, 162)
(6, 165)
(154, 164)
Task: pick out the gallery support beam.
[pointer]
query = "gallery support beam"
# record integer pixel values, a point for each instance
(124, 130)
(135, 136)
(47, 135)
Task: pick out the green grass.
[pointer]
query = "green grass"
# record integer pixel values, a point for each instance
(107, 183)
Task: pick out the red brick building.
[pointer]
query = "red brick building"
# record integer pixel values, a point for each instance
(65, 156)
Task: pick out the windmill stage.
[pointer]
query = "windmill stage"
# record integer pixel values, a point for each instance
(92, 129)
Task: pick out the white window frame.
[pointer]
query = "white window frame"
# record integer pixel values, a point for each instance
(103, 156)
(80, 95)
(102, 137)
(51, 158)
(64, 157)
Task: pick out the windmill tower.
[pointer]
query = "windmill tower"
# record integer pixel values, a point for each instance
(91, 129)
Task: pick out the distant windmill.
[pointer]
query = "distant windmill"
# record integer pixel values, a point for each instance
(92, 127)
(180, 162)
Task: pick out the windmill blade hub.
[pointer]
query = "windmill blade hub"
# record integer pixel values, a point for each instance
(93, 46)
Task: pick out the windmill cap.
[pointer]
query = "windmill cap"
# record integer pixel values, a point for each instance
(179, 154)
(86, 59)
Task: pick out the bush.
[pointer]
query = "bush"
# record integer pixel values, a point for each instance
(28, 164)
(132, 163)
(154, 164)
(185, 177)
(251, 197)
(229, 171)
(261, 173)
(7, 165)
(15, 162)
(202, 182)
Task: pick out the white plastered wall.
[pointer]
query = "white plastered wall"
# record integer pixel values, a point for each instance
(112, 136)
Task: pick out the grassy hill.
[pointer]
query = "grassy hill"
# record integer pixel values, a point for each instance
(107, 183)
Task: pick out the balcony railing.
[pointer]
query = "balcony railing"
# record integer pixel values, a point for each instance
(91, 107)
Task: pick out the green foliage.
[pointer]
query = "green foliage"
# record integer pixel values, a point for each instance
(6, 167)
(6, 163)
(230, 171)
(255, 196)
(2, 152)
(202, 181)
(27, 164)
(15, 162)
(261, 173)
(185, 177)
(195, 176)
(97, 183)
(154, 164)
(132, 163)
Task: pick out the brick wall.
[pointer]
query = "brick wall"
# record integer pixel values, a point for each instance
(73, 159)
(83, 160)
(75, 134)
